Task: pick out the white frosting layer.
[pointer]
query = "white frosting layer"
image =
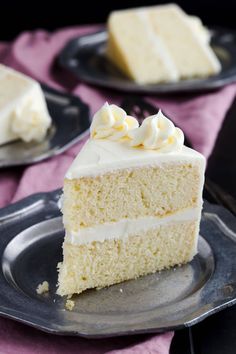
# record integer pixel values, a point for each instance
(123, 228)
(159, 46)
(23, 110)
(157, 132)
(30, 118)
(99, 156)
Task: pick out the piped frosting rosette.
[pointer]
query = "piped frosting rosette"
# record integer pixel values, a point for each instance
(112, 122)
(157, 132)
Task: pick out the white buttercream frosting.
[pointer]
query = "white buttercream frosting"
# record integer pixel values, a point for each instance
(30, 123)
(23, 109)
(159, 46)
(157, 132)
(99, 156)
(111, 122)
(126, 227)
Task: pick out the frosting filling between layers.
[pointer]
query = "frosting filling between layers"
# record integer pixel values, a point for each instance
(159, 45)
(126, 227)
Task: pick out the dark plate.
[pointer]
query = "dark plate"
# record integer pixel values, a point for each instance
(30, 248)
(70, 123)
(85, 57)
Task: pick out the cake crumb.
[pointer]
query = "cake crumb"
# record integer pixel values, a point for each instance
(42, 288)
(121, 290)
(70, 305)
(99, 288)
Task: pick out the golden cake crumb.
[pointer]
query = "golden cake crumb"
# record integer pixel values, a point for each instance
(43, 288)
(70, 305)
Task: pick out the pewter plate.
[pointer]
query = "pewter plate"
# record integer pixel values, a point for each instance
(85, 58)
(31, 236)
(70, 123)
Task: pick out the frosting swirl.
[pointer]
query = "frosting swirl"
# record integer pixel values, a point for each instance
(112, 122)
(157, 132)
(30, 124)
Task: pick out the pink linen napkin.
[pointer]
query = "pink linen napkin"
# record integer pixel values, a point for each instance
(200, 117)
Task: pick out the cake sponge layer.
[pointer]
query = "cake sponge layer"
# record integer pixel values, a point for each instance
(159, 44)
(148, 191)
(192, 56)
(99, 264)
(124, 29)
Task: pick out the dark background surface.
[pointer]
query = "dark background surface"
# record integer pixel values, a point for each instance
(27, 15)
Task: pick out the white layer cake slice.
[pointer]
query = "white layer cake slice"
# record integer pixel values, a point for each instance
(23, 110)
(160, 44)
(132, 202)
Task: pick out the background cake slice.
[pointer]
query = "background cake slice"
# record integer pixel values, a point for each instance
(160, 44)
(23, 110)
(132, 202)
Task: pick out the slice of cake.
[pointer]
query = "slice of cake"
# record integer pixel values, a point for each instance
(23, 110)
(160, 44)
(132, 202)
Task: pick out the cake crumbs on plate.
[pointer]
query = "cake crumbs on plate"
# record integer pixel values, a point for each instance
(43, 288)
(70, 305)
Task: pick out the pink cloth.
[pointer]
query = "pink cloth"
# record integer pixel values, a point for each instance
(16, 338)
(199, 116)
